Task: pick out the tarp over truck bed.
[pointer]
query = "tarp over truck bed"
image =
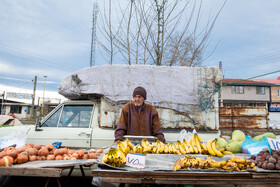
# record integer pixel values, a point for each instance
(166, 86)
(185, 97)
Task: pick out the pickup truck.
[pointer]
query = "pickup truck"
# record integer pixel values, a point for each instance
(84, 123)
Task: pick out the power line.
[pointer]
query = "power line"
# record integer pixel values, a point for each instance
(250, 78)
(19, 52)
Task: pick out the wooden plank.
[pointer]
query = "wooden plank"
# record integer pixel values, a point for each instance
(266, 175)
(188, 181)
(33, 172)
(55, 163)
(166, 177)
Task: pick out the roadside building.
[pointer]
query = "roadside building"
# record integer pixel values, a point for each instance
(274, 105)
(244, 105)
(243, 93)
(19, 102)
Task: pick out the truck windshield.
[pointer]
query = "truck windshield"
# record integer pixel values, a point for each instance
(71, 116)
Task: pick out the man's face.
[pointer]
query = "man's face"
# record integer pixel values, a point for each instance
(138, 100)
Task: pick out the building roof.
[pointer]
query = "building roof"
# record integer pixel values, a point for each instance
(242, 82)
(272, 81)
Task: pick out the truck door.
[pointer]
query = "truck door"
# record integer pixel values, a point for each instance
(70, 124)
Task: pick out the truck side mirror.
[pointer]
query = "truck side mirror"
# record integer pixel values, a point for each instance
(36, 126)
(38, 123)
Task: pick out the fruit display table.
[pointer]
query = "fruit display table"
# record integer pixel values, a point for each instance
(187, 177)
(46, 168)
(159, 170)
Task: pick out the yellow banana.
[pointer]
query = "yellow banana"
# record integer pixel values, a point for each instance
(161, 148)
(134, 149)
(174, 150)
(222, 150)
(111, 155)
(215, 149)
(192, 143)
(122, 158)
(201, 163)
(105, 158)
(147, 147)
(223, 162)
(187, 143)
(231, 164)
(156, 146)
(166, 149)
(170, 148)
(121, 146)
(181, 149)
(209, 147)
(178, 164)
(194, 163)
(215, 164)
(241, 166)
(202, 143)
(139, 149)
(185, 146)
(128, 142)
(197, 143)
(233, 158)
(227, 153)
(127, 149)
(144, 142)
(252, 165)
(228, 168)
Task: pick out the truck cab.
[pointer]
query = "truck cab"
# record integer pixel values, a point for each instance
(74, 123)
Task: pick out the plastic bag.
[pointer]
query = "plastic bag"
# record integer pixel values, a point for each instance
(57, 144)
(17, 137)
(253, 147)
(97, 181)
(185, 135)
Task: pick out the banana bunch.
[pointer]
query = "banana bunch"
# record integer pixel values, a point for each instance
(125, 146)
(172, 149)
(159, 147)
(234, 164)
(193, 162)
(239, 164)
(190, 162)
(138, 149)
(147, 147)
(128, 143)
(194, 145)
(225, 152)
(213, 149)
(214, 164)
(114, 158)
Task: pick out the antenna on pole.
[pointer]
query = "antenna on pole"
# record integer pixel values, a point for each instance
(93, 34)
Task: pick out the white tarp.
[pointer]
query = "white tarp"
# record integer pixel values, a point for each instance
(164, 84)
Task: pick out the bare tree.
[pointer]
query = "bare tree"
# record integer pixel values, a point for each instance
(157, 32)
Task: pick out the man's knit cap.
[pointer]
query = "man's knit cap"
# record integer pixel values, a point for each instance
(140, 91)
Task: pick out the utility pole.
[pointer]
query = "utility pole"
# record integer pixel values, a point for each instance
(221, 84)
(2, 104)
(93, 34)
(43, 104)
(32, 114)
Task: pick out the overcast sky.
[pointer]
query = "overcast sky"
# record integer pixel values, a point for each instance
(53, 38)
